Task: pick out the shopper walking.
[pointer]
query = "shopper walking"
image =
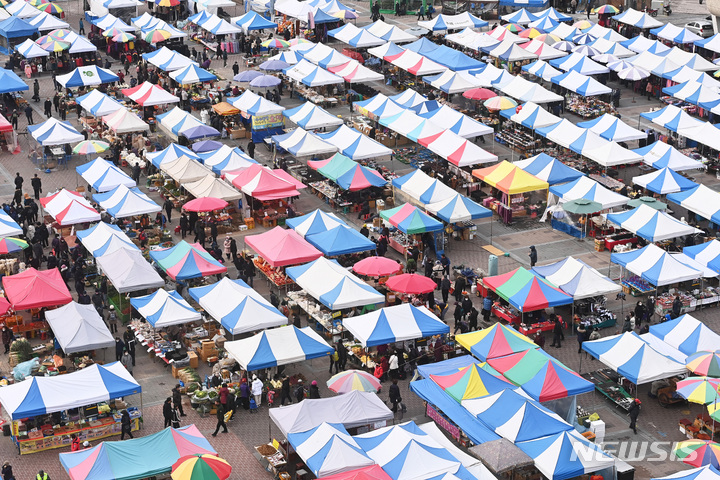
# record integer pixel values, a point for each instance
(7, 471)
(633, 413)
(533, 255)
(168, 412)
(119, 347)
(220, 413)
(126, 360)
(256, 389)
(177, 400)
(7, 338)
(36, 183)
(125, 425)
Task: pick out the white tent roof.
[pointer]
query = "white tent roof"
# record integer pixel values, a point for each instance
(311, 74)
(423, 188)
(8, 226)
(354, 144)
(94, 384)
(128, 270)
(609, 154)
(457, 150)
(239, 308)
(30, 49)
(253, 104)
(582, 84)
(356, 37)
(588, 188)
(45, 21)
(527, 91)
(97, 237)
(226, 159)
(167, 60)
(416, 64)
(163, 308)
(543, 50)
(22, 9)
(705, 133)
(103, 175)
(603, 45)
(564, 133)
(687, 334)
(702, 200)
(576, 278)
(185, 169)
(668, 156)
(353, 409)
(611, 127)
(329, 449)
(390, 33)
(655, 266)
(321, 53)
(55, 132)
(78, 43)
(692, 60)
(604, 33)
(99, 104)
(454, 82)
(687, 74)
(394, 324)
(302, 143)
(534, 116)
(278, 346)
(79, 328)
(70, 208)
(637, 19)
(125, 121)
(211, 186)
(326, 281)
(510, 51)
(633, 358)
(310, 117)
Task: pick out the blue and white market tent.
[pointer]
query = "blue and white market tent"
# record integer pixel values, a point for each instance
(340, 240)
(549, 169)
(566, 455)
(310, 117)
(329, 449)
(43, 395)
(664, 181)
(314, 222)
(655, 266)
(226, 158)
(8, 226)
(395, 324)
(354, 144)
(651, 224)
(576, 278)
(673, 118)
(707, 254)
(170, 153)
(192, 74)
(103, 175)
(522, 17)
(98, 103)
(686, 334)
(122, 202)
(97, 238)
(278, 346)
(661, 155)
(87, 76)
(237, 307)
(632, 357)
(253, 21)
(54, 132)
(332, 285)
(612, 128)
(163, 308)
(458, 208)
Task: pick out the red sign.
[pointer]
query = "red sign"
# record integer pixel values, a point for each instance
(443, 422)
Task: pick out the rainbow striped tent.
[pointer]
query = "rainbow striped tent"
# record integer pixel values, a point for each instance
(186, 260)
(410, 220)
(495, 341)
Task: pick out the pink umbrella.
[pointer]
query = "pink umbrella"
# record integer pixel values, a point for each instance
(205, 204)
(411, 283)
(377, 267)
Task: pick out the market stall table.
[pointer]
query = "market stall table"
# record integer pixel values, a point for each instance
(607, 383)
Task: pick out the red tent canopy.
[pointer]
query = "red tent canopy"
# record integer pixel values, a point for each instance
(5, 126)
(35, 289)
(280, 247)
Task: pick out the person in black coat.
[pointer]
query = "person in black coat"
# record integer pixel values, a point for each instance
(533, 255)
(445, 288)
(460, 285)
(557, 333)
(394, 393)
(7, 338)
(220, 419)
(184, 225)
(285, 391)
(633, 413)
(168, 412)
(342, 355)
(125, 426)
(676, 306)
(119, 347)
(314, 391)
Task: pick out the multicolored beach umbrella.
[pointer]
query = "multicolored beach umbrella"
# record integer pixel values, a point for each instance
(50, 8)
(156, 36)
(470, 382)
(698, 453)
(123, 37)
(350, 380)
(11, 245)
(410, 220)
(51, 44)
(201, 467)
(704, 363)
(184, 261)
(89, 147)
(526, 291)
(495, 341)
(701, 390)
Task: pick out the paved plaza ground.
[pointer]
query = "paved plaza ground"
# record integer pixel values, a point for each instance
(655, 424)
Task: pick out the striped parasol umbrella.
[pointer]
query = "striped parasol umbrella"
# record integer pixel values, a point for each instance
(606, 10)
(704, 363)
(605, 58)
(275, 43)
(50, 8)
(167, 3)
(59, 33)
(500, 103)
(548, 38)
(350, 380)
(50, 44)
(123, 37)
(4, 3)
(88, 147)
(479, 94)
(586, 50)
(619, 65)
(713, 409)
(563, 46)
(698, 453)
(583, 24)
(530, 33)
(583, 39)
(298, 41)
(11, 245)
(156, 36)
(34, 3)
(633, 74)
(716, 74)
(514, 27)
(345, 15)
(701, 390)
(201, 466)
(111, 32)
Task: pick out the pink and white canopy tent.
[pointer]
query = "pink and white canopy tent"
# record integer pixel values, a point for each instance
(280, 247)
(148, 94)
(68, 208)
(456, 150)
(263, 183)
(414, 63)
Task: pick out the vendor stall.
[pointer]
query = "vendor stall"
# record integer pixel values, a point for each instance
(395, 324)
(496, 341)
(513, 183)
(651, 224)
(410, 221)
(278, 346)
(317, 221)
(79, 328)
(656, 266)
(128, 271)
(686, 334)
(69, 208)
(36, 289)
(185, 261)
(103, 175)
(123, 202)
(341, 240)
(265, 117)
(226, 159)
(82, 400)
(162, 309)
(237, 307)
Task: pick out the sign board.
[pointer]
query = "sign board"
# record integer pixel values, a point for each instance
(273, 120)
